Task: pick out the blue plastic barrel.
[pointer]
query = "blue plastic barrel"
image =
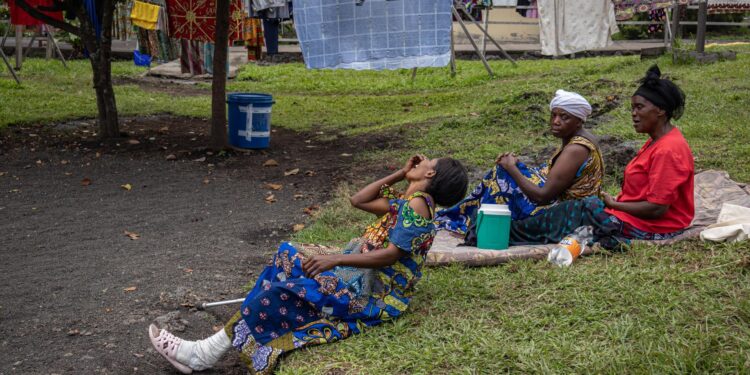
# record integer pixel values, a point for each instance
(250, 120)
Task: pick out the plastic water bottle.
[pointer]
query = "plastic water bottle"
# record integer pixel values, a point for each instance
(571, 246)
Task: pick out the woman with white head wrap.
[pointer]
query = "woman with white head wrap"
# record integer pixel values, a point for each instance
(574, 171)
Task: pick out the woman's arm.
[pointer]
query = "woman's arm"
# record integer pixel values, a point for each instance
(369, 199)
(373, 259)
(642, 209)
(560, 177)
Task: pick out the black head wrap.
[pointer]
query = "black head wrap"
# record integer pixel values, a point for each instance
(663, 93)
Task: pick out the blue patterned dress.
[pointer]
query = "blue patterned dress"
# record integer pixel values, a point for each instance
(286, 310)
(498, 187)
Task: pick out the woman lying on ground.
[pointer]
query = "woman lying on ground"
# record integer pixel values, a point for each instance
(656, 201)
(308, 295)
(574, 171)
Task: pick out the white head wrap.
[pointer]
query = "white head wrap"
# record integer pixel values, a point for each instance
(572, 103)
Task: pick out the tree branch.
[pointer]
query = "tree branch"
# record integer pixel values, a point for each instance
(32, 11)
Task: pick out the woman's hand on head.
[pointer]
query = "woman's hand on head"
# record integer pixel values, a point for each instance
(318, 264)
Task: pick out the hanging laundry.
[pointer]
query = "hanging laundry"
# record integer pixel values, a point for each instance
(190, 57)
(626, 9)
(148, 43)
(259, 5)
(145, 15)
(253, 35)
(564, 30)
(270, 9)
(95, 16)
(529, 10)
(19, 17)
(168, 47)
(378, 34)
(657, 17)
(728, 6)
(196, 19)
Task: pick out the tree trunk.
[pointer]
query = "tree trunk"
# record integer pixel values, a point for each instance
(100, 54)
(109, 127)
(219, 84)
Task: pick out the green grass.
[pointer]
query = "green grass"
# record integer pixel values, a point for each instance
(675, 309)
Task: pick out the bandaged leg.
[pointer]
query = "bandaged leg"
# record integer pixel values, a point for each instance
(203, 354)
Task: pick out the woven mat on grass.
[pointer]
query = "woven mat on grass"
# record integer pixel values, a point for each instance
(712, 189)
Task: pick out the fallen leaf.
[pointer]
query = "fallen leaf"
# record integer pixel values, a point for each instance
(298, 196)
(63, 162)
(271, 198)
(39, 162)
(274, 186)
(475, 114)
(271, 163)
(298, 227)
(132, 235)
(171, 157)
(346, 155)
(291, 172)
(86, 181)
(138, 355)
(309, 173)
(127, 187)
(108, 310)
(134, 141)
(68, 173)
(311, 209)
(188, 270)
(164, 129)
(3, 173)
(74, 332)
(206, 181)
(130, 289)
(201, 159)
(187, 305)
(98, 154)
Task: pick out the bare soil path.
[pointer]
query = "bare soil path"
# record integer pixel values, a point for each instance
(77, 292)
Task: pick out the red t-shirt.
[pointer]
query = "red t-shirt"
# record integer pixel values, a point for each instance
(661, 173)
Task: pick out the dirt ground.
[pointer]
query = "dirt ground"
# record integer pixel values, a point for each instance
(101, 240)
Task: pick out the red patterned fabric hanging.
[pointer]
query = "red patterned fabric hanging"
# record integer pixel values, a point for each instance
(19, 17)
(196, 19)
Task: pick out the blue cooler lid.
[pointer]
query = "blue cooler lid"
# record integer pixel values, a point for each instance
(249, 97)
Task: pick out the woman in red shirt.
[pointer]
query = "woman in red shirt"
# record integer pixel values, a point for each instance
(656, 201)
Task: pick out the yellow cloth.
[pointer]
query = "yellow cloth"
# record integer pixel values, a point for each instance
(145, 15)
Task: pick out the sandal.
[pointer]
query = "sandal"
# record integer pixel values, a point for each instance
(166, 344)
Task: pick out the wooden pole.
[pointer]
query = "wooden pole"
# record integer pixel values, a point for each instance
(484, 31)
(10, 68)
(51, 40)
(473, 43)
(675, 23)
(486, 24)
(19, 46)
(700, 39)
(453, 54)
